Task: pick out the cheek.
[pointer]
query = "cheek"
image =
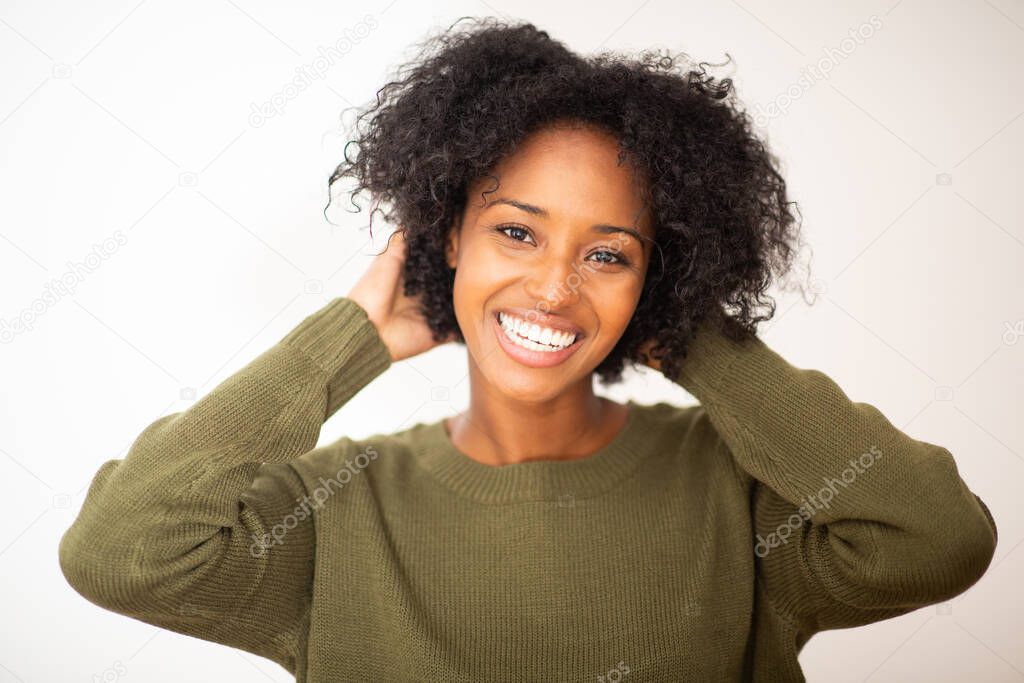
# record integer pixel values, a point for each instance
(476, 281)
(480, 273)
(473, 280)
(616, 316)
(615, 303)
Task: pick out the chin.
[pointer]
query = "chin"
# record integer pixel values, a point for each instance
(530, 385)
(529, 392)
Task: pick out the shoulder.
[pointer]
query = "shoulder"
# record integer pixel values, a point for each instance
(685, 435)
(381, 454)
(688, 425)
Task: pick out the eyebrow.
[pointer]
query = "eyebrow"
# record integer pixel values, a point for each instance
(603, 228)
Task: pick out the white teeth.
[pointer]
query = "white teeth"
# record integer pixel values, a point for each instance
(534, 337)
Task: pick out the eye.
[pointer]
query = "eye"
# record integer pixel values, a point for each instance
(518, 228)
(619, 259)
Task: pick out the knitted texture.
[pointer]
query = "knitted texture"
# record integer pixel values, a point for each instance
(703, 543)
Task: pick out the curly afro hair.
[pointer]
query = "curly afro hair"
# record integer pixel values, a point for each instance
(723, 225)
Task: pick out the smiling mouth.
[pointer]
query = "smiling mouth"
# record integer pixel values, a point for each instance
(535, 337)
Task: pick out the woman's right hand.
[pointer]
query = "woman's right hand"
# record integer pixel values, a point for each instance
(396, 316)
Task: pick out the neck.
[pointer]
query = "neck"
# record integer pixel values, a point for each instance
(500, 430)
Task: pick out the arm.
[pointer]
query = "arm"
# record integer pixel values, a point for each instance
(168, 535)
(854, 520)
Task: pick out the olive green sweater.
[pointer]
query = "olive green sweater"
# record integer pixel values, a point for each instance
(703, 543)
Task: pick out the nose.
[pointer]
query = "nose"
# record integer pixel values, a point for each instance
(554, 278)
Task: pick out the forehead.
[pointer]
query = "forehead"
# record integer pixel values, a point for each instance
(574, 173)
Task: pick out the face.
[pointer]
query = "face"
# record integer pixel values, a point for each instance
(558, 253)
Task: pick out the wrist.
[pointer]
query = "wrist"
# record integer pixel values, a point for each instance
(375, 323)
(340, 335)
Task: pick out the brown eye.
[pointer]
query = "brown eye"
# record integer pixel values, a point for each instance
(520, 229)
(619, 259)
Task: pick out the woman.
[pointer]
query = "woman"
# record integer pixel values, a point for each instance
(561, 216)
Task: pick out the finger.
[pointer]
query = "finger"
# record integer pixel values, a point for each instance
(396, 244)
(389, 264)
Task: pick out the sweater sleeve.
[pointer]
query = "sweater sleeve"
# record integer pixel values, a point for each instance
(854, 520)
(204, 527)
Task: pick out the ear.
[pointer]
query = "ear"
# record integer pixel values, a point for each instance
(451, 247)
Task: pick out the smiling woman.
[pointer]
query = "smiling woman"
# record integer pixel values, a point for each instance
(563, 243)
(561, 217)
(652, 151)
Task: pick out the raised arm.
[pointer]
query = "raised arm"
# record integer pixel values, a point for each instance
(171, 534)
(855, 521)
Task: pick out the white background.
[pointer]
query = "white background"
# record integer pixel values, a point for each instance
(133, 119)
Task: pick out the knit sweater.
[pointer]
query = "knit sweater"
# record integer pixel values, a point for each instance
(702, 543)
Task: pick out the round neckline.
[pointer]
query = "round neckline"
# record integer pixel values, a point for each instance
(563, 481)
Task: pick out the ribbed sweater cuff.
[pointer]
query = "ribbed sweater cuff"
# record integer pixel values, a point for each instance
(342, 340)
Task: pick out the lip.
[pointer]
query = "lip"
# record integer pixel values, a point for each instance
(533, 359)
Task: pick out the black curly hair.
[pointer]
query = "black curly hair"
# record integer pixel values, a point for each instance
(475, 91)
